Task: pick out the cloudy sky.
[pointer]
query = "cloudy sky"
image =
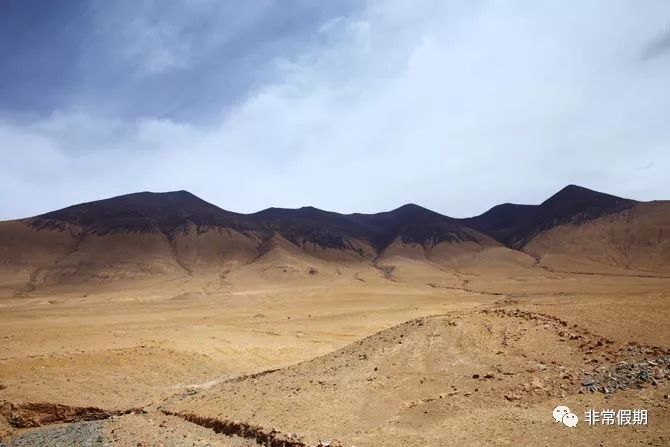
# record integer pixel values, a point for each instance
(344, 105)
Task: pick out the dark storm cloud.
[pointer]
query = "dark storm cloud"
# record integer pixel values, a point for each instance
(40, 44)
(144, 58)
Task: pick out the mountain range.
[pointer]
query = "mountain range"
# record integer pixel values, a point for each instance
(146, 233)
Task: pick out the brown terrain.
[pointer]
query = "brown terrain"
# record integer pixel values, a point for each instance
(158, 319)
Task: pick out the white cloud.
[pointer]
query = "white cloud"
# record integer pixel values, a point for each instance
(456, 107)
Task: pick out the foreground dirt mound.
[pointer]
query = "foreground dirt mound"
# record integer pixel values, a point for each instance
(430, 381)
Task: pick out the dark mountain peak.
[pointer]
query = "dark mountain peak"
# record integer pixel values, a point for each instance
(410, 207)
(178, 193)
(145, 202)
(271, 211)
(411, 210)
(514, 225)
(291, 213)
(142, 199)
(310, 226)
(572, 188)
(141, 212)
(579, 194)
(181, 194)
(412, 224)
(582, 203)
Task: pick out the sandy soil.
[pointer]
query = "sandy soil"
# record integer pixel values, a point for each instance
(475, 352)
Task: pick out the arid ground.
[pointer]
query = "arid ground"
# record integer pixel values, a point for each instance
(294, 346)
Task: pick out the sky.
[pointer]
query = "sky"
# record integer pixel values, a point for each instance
(349, 106)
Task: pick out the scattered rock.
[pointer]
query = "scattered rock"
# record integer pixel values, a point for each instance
(538, 384)
(587, 381)
(512, 396)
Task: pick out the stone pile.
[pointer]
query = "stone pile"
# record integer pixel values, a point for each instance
(626, 375)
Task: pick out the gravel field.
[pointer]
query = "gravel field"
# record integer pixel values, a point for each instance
(80, 434)
(151, 430)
